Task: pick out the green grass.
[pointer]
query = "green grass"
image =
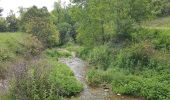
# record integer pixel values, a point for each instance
(159, 23)
(6, 36)
(16, 45)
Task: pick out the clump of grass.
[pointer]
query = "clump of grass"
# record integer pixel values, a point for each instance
(56, 53)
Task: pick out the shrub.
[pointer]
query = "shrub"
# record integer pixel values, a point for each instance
(94, 77)
(136, 57)
(65, 80)
(45, 80)
(45, 32)
(98, 56)
(159, 38)
(138, 86)
(29, 45)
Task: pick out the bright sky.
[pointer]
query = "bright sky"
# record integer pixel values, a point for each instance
(8, 5)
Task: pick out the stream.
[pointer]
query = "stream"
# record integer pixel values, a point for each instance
(79, 67)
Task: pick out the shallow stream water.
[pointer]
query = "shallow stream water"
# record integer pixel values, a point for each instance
(79, 67)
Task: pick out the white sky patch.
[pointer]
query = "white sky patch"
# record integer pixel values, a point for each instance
(8, 5)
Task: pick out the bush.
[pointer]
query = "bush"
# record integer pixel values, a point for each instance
(45, 80)
(136, 57)
(28, 45)
(3, 25)
(138, 86)
(45, 32)
(98, 56)
(159, 38)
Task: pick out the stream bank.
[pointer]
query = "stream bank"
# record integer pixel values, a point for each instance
(79, 67)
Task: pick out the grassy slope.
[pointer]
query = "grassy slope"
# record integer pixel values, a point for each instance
(5, 38)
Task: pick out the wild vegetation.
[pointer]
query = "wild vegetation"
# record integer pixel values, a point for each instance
(125, 42)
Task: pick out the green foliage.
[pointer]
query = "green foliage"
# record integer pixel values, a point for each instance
(162, 42)
(45, 80)
(64, 78)
(13, 45)
(37, 22)
(98, 77)
(140, 68)
(136, 57)
(138, 86)
(56, 53)
(95, 24)
(158, 38)
(99, 21)
(1, 10)
(12, 22)
(63, 21)
(3, 25)
(99, 56)
(161, 7)
(65, 29)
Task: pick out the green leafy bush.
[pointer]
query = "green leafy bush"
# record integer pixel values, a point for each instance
(99, 56)
(28, 45)
(136, 57)
(159, 38)
(45, 80)
(138, 86)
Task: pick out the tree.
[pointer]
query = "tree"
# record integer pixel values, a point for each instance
(12, 22)
(3, 25)
(100, 20)
(66, 26)
(37, 22)
(1, 10)
(95, 23)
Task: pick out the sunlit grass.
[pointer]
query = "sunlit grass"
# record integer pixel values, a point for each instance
(159, 23)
